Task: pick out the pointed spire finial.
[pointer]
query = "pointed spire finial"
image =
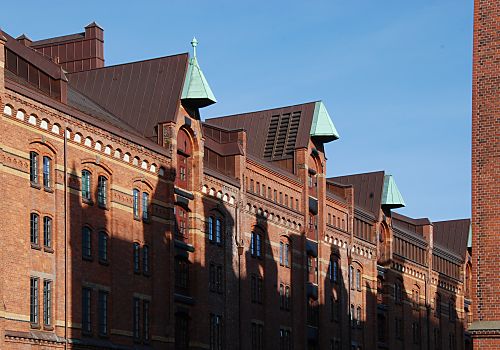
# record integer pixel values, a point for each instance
(194, 43)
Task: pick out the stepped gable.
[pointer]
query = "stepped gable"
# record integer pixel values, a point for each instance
(453, 235)
(141, 94)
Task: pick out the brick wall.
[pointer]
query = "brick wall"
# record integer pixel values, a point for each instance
(486, 174)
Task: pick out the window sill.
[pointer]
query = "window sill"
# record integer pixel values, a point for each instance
(104, 262)
(48, 249)
(146, 274)
(48, 189)
(35, 326)
(35, 185)
(137, 272)
(103, 206)
(87, 201)
(87, 258)
(146, 220)
(87, 333)
(103, 335)
(35, 246)
(48, 327)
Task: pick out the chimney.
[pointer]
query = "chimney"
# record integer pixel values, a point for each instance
(75, 52)
(23, 39)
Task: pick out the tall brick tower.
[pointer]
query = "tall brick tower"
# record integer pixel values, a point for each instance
(486, 175)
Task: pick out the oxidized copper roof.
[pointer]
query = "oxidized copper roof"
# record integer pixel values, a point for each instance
(142, 94)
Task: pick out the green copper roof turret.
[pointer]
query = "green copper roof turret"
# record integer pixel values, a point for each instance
(322, 126)
(391, 196)
(196, 90)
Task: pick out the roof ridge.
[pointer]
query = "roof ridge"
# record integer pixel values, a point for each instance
(357, 174)
(260, 111)
(129, 63)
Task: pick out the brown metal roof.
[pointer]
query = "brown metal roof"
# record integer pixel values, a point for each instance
(36, 59)
(142, 94)
(272, 134)
(221, 141)
(412, 221)
(58, 39)
(368, 189)
(452, 234)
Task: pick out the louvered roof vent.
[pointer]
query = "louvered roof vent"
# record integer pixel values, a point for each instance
(281, 136)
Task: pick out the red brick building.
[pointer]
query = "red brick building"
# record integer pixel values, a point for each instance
(128, 223)
(486, 175)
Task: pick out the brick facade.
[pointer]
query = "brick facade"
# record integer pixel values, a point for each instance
(486, 174)
(192, 241)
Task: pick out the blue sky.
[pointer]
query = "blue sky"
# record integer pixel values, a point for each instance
(394, 75)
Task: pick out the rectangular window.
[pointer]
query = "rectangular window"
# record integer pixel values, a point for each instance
(102, 188)
(285, 339)
(103, 246)
(86, 185)
(34, 218)
(34, 304)
(358, 280)
(287, 255)
(135, 196)
(216, 333)
(145, 319)
(47, 303)
(136, 318)
(86, 243)
(46, 171)
(181, 274)
(145, 259)
(34, 167)
(257, 336)
(145, 205)
(103, 312)
(219, 282)
(258, 245)
(181, 332)
(86, 310)
(47, 232)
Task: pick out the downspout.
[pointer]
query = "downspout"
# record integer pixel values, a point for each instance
(65, 239)
(239, 247)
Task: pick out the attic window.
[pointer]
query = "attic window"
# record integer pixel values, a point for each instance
(282, 135)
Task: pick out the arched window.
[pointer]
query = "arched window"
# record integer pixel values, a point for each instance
(287, 298)
(136, 255)
(145, 206)
(86, 243)
(184, 152)
(452, 310)
(256, 245)
(398, 292)
(34, 167)
(282, 296)
(102, 191)
(47, 166)
(47, 232)
(103, 247)
(284, 254)
(34, 229)
(358, 316)
(437, 305)
(135, 196)
(210, 228)
(358, 279)
(181, 229)
(86, 183)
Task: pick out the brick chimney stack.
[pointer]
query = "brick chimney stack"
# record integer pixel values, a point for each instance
(75, 52)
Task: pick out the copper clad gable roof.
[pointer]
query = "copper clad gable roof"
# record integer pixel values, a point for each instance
(368, 189)
(452, 234)
(142, 94)
(274, 127)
